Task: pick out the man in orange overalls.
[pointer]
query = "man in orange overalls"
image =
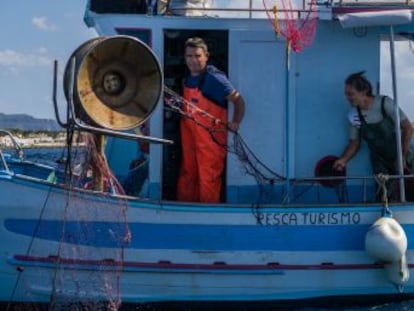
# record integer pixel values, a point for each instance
(204, 140)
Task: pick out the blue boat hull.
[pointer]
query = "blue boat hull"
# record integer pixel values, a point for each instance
(177, 252)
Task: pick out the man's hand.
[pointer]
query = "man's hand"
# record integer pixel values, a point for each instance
(339, 165)
(233, 126)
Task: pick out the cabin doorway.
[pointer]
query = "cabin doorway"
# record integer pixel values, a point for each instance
(174, 72)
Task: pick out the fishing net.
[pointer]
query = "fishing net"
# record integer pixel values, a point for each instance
(252, 165)
(296, 21)
(94, 234)
(77, 256)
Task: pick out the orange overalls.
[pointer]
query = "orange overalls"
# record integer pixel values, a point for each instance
(203, 159)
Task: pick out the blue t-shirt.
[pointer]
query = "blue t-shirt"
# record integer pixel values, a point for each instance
(213, 84)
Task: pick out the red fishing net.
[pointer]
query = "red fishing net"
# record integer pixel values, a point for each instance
(294, 20)
(75, 254)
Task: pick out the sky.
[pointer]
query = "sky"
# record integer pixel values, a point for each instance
(35, 33)
(404, 64)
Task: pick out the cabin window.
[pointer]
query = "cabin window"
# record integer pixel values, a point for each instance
(142, 34)
(119, 6)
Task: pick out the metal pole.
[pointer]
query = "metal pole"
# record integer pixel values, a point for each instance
(397, 116)
(287, 122)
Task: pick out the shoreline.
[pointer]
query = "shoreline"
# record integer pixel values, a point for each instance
(38, 146)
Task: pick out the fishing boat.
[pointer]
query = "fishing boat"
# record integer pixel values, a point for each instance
(288, 229)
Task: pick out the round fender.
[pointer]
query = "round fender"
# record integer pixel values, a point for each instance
(386, 240)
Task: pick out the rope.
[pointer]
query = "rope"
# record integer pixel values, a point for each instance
(176, 103)
(29, 249)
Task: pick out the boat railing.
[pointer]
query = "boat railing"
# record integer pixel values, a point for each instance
(11, 144)
(365, 185)
(234, 8)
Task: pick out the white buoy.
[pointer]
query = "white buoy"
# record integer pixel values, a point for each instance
(386, 240)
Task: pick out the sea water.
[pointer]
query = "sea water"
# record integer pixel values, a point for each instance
(51, 156)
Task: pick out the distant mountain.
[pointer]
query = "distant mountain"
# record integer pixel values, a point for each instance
(27, 123)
